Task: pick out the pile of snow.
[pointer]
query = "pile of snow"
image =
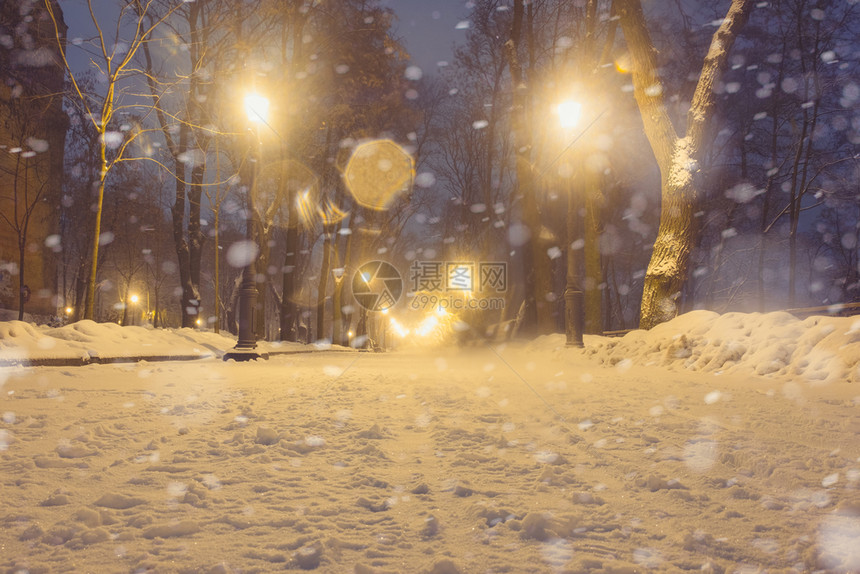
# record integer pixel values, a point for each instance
(88, 340)
(816, 349)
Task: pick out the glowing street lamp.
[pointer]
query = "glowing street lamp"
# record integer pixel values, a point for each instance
(257, 108)
(257, 111)
(132, 302)
(569, 113)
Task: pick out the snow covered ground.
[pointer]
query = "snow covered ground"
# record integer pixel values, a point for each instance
(711, 443)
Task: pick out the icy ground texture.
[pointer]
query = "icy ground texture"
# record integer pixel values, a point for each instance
(510, 459)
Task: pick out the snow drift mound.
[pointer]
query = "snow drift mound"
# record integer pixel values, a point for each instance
(817, 349)
(86, 339)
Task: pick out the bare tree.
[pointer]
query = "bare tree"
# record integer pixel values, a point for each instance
(114, 64)
(537, 271)
(678, 156)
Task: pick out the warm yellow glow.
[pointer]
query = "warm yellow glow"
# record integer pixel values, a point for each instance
(306, 207)
(68, 310)
(569, 113)
(349, 333)
(257, 108)
(199, 321)
(440, 310)
(623, 64)
(385, 311)
(134, 299)
(427, 326)
(399, 329)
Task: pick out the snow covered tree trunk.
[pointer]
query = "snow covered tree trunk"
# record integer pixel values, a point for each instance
(677, 157)
(668, 268)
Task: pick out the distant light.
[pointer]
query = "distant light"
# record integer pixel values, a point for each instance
(133, 299)
(68, 310)
(257, 108)
(349, 333)
(199, 321)
(399, 329)
(427, 326)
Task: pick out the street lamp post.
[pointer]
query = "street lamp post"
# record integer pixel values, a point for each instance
(574, 308)
(257, 108)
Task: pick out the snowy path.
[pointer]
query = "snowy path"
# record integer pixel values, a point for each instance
(469, 461)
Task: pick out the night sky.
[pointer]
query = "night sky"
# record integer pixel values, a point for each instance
(428, 28)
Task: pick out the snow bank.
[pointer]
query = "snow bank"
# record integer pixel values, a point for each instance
(88, 340)
(817, 349)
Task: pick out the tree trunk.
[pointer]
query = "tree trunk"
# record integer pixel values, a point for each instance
(593, 296)
(341, 316)
(337, 337)
(80, 288)
(183, 250)
(217, 246)
(677, 157)
(667, 270)
(322, 285)
(538, 280)
(89, 310)
(591, 255)
(289, 309)
(261, 267)
(195, 245)
(22, 249)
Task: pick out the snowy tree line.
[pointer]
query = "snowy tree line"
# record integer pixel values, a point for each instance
(775, 220)
(763, 171)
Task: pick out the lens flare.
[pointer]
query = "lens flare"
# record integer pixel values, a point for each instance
(378, 172)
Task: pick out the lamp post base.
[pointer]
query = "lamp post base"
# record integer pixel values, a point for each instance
(244, 354)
